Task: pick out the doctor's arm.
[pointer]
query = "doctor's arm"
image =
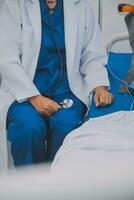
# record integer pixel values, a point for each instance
(94, 60)
(16, 80)
(14, 77)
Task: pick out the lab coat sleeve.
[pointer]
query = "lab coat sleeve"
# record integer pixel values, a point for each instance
(14, 77)
(93, 56)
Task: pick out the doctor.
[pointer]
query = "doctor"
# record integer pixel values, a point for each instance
(51, 61)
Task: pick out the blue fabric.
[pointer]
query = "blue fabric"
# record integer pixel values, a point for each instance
(119, 63)
(48, 67)
(27, 130)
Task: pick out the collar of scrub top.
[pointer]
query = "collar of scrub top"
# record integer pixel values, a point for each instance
(73, 1)
(57, 13)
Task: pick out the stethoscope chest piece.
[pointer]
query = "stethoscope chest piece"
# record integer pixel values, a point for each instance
(67, 103)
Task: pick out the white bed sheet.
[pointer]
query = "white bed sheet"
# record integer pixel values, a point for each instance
(95, 162)
(111, 134)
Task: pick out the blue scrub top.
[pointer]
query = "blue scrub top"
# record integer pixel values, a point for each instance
(48, 67)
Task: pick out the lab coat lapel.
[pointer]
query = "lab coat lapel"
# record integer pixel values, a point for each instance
(35, 18)
(71, 16)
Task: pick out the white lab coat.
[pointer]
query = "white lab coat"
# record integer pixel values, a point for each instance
(20, 38)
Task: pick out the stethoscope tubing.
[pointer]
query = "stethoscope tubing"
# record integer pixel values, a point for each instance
(66, 103)
(60, 56)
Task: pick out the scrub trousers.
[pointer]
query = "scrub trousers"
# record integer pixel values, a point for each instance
(36, 139)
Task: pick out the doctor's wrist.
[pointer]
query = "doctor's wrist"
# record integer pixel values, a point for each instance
(101, 88)
(34, 98)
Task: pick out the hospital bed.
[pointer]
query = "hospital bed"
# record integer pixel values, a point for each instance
(83, 174)
(118, 66)
(95, 149)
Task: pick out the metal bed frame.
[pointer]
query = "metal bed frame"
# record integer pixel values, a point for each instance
(116, 38)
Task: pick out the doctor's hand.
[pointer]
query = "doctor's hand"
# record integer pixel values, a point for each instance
(44, 105)
(102, 97)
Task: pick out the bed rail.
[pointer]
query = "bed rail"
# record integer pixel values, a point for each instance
(116, 38)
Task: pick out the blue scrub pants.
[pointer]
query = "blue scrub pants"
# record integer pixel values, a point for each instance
(28, 131)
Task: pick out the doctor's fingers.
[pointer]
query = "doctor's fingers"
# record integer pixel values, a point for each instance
(96, 100)
(106, 99)
(52, 107)
(103, 100)
(110, 99)
(48, 112)
(100, 100)
(55, 106)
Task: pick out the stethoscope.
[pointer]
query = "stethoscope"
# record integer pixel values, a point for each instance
(66, 103)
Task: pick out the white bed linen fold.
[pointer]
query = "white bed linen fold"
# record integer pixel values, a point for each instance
(113, 132)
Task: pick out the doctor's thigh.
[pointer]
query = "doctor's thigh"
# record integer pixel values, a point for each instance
(28, 131)
(62, 123)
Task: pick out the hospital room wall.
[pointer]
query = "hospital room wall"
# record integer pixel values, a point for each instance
(113, 22)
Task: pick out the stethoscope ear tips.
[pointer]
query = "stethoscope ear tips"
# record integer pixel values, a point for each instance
(67, 103)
